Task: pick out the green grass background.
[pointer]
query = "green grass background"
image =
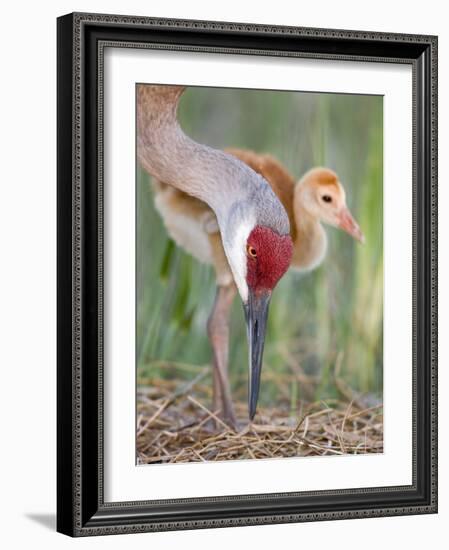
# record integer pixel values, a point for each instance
(333, 314)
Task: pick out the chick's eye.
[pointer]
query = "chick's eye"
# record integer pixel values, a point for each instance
(251, 251)
(327, 198)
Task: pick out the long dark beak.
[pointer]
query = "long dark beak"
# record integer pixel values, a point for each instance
(256, 311)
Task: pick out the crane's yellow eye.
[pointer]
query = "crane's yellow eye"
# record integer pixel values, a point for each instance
(251, 251)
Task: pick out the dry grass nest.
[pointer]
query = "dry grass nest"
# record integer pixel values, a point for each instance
(175, 424)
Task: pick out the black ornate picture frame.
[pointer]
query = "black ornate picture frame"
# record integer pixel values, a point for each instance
(81, 510)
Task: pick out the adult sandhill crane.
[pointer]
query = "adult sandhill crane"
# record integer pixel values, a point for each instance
(254, 228)
(317, 197)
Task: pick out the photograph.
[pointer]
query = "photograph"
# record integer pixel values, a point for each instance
(259, 274)
(246, 274)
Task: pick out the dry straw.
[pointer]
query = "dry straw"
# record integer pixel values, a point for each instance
(175, 424)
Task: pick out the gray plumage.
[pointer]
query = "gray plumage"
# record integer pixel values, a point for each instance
(231, 188)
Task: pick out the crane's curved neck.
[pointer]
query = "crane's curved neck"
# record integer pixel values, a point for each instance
(309, 247)
(172, 157)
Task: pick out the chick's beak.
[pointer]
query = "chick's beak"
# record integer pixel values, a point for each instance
(348, 224)
(256, 312)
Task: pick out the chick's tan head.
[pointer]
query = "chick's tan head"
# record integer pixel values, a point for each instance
(323, 196)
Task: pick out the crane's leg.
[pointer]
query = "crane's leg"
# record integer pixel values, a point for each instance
(218, 331)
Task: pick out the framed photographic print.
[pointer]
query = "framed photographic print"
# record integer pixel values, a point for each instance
(247, 275)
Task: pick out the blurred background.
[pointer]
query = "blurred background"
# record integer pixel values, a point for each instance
(322, 323)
